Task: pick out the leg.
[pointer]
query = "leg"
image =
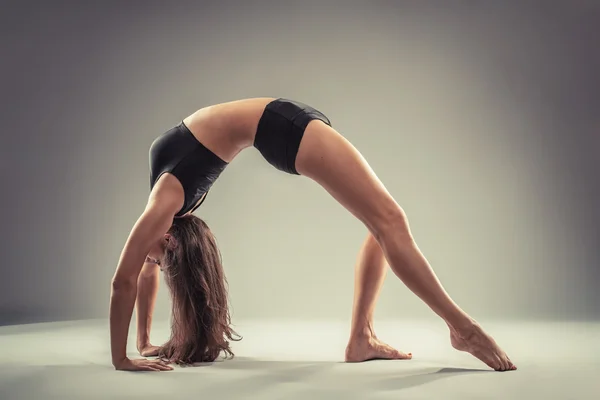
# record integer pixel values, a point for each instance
(370, 273)
(329, 159)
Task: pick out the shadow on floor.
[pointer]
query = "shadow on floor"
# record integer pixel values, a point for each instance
(395, 375)
(237, 378)
(423, 378)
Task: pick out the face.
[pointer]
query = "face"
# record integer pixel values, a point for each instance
(158, 249)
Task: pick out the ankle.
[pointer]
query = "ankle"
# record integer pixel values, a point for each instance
(362, 331)
(140, 345)
(463, 327)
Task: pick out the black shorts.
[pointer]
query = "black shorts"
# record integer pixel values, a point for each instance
(178, 152)
(280, 131)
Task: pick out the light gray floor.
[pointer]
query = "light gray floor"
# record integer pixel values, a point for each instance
(285, 360)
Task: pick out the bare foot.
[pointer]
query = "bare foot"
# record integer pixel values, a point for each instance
(371, 348)
(149, 350)
(476, 341)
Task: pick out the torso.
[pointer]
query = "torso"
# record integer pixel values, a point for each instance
(227, 128)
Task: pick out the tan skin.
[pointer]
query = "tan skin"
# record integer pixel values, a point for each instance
(330, 160)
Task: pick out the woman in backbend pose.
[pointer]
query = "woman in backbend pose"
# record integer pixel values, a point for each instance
(297, 139)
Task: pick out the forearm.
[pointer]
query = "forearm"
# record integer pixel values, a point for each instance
(122, 301)
(124, 292)
(147, 290)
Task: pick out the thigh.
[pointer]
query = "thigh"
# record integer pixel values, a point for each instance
(332, 161)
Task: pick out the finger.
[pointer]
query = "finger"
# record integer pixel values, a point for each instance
(163, 363)
(158, 368)
(162, 366)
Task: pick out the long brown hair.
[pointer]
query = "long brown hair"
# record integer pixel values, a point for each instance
(193, 270)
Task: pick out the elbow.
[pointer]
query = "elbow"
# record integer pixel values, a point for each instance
(121, 284)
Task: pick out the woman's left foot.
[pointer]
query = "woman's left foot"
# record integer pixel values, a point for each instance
(371, 348)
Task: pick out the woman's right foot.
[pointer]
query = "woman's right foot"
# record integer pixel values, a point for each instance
(476, 341)
(370, 348)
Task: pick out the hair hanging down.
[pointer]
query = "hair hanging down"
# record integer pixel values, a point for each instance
(201, 323)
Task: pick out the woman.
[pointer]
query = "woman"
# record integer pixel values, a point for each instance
(294, 138)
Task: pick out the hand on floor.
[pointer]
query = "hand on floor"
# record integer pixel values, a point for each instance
(142, 364)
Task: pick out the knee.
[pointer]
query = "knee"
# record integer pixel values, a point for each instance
(393, 223)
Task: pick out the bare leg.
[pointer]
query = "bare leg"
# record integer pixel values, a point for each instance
(329, 159)
(370, 273)
(409, 264)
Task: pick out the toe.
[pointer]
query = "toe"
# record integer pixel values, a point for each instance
(489, 360)
(384, 351)
(499, 364)
(494, 362)
(399, 355)
(508, 363)
(388, 352)
(502, 363)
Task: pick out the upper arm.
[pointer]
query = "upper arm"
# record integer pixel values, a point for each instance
(154, 222)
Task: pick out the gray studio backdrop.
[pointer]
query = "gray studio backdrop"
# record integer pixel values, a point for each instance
(481, 118)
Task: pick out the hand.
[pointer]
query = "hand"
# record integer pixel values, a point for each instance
(148, 350)
(142, 364)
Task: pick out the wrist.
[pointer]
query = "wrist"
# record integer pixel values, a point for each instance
(116, 362)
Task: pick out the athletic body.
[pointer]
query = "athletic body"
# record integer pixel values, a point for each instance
(296, 139)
